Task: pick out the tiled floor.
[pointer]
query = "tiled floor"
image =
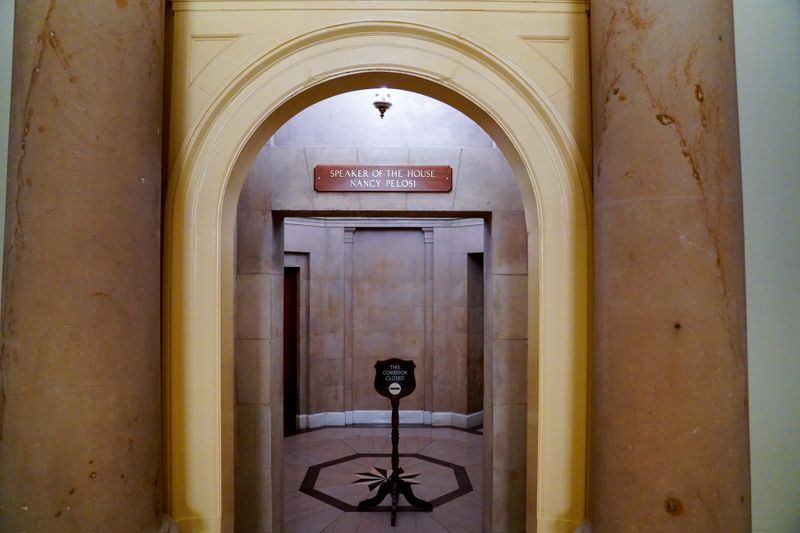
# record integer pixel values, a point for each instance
(338, 454)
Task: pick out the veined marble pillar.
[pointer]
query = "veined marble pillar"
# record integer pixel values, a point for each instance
(669, 435)
(81, 432)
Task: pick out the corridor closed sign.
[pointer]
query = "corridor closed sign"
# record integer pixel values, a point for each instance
(383, 178)
(394, 378)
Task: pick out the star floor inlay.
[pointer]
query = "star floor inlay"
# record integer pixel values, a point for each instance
(322, 467)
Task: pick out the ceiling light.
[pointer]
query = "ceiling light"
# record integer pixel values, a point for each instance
(381, 100)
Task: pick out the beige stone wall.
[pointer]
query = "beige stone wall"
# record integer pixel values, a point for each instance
(388, 309)
(346, 129)
(417, 130)
(321, 347)
(409, 299)
(451, 244)
(258, 348)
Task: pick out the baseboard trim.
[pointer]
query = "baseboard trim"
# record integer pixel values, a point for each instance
(318, 420)
(458, 420)
(380, 417)
(385, 417)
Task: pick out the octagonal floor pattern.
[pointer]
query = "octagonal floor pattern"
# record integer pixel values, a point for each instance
(320, 467)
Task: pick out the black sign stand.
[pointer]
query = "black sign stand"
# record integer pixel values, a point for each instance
(394, 379)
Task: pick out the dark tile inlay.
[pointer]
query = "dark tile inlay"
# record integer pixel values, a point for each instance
(313, 472)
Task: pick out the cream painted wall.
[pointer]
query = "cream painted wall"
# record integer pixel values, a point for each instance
(768, 75)
(6, 49)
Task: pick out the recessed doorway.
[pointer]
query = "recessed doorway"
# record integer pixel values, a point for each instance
(291, 336)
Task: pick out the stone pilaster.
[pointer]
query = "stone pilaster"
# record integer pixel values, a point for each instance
(348, 324)
(669, 434)
(80, 402)
(428, 355)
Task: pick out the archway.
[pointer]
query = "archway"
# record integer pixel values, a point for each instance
(208, 173)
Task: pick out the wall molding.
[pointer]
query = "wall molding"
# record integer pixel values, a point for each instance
(383, 222)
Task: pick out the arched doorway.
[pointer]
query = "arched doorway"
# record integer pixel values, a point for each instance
(381, 274)
(210, 164)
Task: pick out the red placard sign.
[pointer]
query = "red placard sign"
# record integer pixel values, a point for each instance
(383, 178)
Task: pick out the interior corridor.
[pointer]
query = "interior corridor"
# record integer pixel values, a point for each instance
(329, 282)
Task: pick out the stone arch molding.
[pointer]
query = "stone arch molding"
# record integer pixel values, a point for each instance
(209, 170)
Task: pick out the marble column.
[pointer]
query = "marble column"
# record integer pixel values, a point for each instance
(669, 434)
(80, 401)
